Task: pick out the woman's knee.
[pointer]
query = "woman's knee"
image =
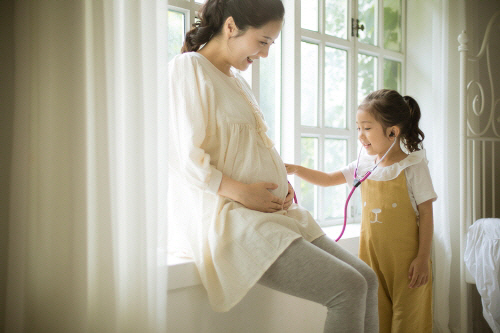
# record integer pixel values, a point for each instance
(358, 284)
(354, 287)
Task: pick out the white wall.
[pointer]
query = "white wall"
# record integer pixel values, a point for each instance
(262, 310)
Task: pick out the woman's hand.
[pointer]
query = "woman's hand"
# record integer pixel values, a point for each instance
(255, 196)
(419, 272)
(291, 169)
(289, 197)
(258, 197)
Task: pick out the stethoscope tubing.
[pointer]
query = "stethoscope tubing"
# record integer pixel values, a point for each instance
(347, 203)
(356, 183)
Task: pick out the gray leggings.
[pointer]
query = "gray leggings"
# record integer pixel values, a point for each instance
(325, 273)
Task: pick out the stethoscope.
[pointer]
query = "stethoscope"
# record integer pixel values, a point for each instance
(358, 180)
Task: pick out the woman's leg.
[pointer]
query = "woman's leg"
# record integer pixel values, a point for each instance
(371, 315)
(306, 271)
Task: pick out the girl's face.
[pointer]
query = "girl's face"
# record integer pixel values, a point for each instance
(252, 45)
(371, 134)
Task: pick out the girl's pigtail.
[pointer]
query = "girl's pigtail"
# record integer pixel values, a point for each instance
(211, 16)
(414, 136)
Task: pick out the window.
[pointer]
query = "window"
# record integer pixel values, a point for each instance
(335, 52)
(176, 32)
(348, 48)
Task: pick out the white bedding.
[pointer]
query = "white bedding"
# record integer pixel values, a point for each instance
(482, 259)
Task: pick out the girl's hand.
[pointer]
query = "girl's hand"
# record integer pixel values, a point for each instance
(419, 272)
(258, 197)
(291, 169)
(289, 197)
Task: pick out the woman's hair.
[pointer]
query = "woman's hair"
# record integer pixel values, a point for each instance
(391, 109)
(246, 13)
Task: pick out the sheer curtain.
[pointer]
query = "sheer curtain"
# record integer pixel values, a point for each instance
(432, 78)
(88, 181)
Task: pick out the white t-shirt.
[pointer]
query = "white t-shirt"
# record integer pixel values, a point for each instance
(418, 177)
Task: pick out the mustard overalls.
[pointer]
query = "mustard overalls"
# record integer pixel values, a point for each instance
(388, 244)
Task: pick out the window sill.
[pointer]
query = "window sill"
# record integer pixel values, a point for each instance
(182, 273)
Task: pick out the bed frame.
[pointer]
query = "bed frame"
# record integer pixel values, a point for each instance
(479, 142)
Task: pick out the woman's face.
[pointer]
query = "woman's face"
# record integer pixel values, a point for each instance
(252, 45)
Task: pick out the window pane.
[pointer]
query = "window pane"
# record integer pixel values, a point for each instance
(335, 158)
(367, 75)
(367, 10)
(309, 84)
(392, 25)
(176, 33)
(335, 87)
(270, 90)
(336, 18)
(199, 1)
(392, 75)
(309, 14)
(309, 159)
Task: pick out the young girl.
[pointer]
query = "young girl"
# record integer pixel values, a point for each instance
(397, 223)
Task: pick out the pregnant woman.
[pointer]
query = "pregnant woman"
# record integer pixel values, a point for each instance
(228, 188)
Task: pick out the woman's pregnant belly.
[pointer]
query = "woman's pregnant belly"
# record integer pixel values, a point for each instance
(261, 164)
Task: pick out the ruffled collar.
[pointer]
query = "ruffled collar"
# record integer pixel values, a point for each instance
(366, 163)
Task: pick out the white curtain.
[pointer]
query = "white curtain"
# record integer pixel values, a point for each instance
(432, 78)
(88, 186)
(436, 122)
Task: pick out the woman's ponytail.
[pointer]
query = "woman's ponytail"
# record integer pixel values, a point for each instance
(246, 13)
(212, 18)
(414, 136)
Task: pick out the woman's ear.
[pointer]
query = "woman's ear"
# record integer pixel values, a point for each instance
(230, 28)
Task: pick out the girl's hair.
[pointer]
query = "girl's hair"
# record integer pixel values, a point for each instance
(391, 109)
(246, 13)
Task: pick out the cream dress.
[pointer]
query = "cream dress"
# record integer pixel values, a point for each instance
(216, 128)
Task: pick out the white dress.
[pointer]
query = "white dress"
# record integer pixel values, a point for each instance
(214, 129)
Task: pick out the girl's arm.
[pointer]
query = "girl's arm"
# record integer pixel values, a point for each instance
(316, 177)
(419, 268)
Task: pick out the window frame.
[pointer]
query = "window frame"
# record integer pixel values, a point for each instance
(294, 37)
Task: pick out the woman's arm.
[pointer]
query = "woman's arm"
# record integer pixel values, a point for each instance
(419, 268)
(316, 177)
(254, 196)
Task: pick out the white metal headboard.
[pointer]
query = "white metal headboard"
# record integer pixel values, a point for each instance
(479, 140)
